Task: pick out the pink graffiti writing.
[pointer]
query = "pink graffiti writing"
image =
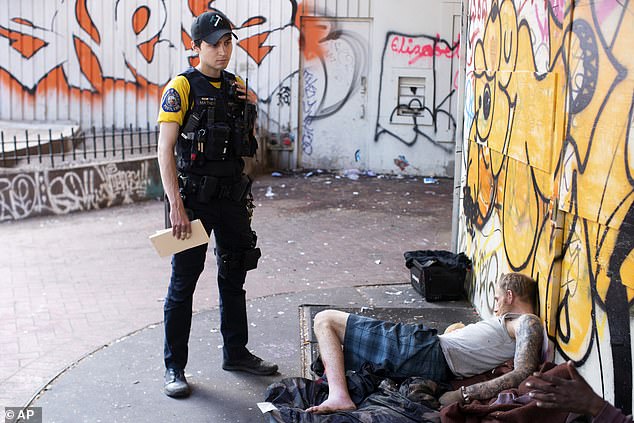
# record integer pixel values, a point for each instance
(406, 45)
(478, 10)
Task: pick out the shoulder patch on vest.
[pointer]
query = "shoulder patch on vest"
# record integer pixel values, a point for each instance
(171, 101)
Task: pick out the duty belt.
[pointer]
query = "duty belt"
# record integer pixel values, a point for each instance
(206, 188)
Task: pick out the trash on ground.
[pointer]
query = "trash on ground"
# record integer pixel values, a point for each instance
(266, 407)
(430, 180)
(276, 174)
(269, 192)
(352, 174)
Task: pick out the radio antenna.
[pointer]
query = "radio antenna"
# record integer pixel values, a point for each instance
(246, 101)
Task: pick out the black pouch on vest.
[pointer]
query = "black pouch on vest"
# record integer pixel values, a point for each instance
(218, 142)
(240, 190)
(183, 154)
(245, 143)
(251, 258)
(207, 189)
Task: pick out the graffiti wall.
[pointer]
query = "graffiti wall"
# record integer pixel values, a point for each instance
(547, 185)
(61, 191)
(104, 63)
(417, 89)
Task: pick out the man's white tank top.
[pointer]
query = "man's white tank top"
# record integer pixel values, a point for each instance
(478, 347)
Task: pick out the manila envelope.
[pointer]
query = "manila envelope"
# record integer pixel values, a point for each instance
(166, 244)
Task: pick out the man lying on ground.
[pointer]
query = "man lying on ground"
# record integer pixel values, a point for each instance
(405, 350)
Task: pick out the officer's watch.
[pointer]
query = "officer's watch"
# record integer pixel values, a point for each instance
(465, 396)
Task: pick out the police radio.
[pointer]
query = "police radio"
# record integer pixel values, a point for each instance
(242, 114)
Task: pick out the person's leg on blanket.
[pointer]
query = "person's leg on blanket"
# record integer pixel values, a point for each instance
(330, 329)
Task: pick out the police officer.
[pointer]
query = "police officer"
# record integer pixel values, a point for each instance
(208, 116)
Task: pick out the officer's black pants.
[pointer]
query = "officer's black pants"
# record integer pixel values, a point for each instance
(230, 223)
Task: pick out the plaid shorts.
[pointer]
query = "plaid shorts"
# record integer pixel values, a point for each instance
(404, 350)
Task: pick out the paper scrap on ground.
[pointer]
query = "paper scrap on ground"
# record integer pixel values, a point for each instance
(166, 244)
(265, 407)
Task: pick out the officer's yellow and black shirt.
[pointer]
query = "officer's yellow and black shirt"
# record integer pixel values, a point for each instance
(175, 99)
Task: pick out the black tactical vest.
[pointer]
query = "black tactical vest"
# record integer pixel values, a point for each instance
(215, 132)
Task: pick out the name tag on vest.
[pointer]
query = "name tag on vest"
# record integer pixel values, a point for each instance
(207, 101)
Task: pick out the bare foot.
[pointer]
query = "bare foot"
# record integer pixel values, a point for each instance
(331, 405)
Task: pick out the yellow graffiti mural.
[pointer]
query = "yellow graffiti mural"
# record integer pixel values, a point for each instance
(512, 139)
(549, 164)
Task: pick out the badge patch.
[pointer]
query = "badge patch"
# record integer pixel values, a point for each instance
(171, 101)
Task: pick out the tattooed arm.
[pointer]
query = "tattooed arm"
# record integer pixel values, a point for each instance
(529, 335)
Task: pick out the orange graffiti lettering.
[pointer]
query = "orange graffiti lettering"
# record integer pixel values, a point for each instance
(85, 21)
(88, 63)
(198, 7)
(143, 82)
(253, 21)
(312, 31)
(140, 19)
(186, 39)
(23, 21)
(194, 61)
(147, 48)
(253, 46)
(26, 45)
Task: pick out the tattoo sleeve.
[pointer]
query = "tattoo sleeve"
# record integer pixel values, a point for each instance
(529, 337)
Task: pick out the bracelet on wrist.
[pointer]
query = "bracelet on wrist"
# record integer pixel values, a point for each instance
(465, 396)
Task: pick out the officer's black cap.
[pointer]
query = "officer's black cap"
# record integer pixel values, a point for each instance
(211, 27)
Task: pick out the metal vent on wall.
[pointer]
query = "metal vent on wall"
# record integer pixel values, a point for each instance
(411, 96)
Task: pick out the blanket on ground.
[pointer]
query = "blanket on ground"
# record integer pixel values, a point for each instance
(378, 399)
(382, 400)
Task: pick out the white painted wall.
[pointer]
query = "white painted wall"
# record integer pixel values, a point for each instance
(104, 63)
(419, 40)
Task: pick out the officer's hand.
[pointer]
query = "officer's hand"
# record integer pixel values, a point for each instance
(181, 227)
(251, 97)
(573, 395)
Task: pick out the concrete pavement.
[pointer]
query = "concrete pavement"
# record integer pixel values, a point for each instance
(72, 284)
(122, 382)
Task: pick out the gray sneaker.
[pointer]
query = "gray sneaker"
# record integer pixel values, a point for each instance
(176, 385)
(251, 364)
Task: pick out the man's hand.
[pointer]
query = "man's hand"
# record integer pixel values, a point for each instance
(451, 397)
(572, 395)
(181, 227)
(251, 97)
(454, 327)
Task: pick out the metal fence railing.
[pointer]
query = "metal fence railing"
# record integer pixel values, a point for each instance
(51, 148)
